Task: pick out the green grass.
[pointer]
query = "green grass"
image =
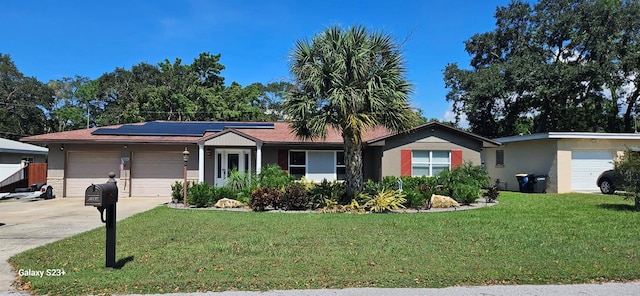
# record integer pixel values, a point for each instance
(526, 239)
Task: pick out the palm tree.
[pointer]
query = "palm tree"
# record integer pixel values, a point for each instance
(351, 80)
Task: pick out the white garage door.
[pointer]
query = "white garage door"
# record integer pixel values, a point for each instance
(153, 173)
(586, 166)
(86, 168)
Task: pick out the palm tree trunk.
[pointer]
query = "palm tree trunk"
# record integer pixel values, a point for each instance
(353, 162)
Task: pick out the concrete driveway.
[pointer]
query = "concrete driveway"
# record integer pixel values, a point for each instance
(26, 224)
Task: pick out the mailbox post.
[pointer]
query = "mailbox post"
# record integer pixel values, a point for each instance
(104, 197)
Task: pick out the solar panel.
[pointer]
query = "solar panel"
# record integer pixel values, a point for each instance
(177, 128)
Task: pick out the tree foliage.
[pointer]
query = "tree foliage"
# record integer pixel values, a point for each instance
(182, 92)
(351, 80)
(70, 109)
(169, 90)
(558, 65)
(23, 101)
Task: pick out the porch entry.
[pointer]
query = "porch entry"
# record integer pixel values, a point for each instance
(227, 160)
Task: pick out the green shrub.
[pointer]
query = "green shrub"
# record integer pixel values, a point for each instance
(200, 195)
(465, 193)
(263, 197)
(294, 197)
(325, 190)
(272, 176)
(415, 198)
(464, 183)
(177, 191)
(244, 196)
(238, 181)
(431, 187)
(413, 183)
(385, 201)
(390, 182)
(370, 187)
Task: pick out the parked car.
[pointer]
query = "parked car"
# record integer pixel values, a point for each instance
(609, 181)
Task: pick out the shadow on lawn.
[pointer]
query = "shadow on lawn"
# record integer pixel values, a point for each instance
(617, 207)
(122, 262)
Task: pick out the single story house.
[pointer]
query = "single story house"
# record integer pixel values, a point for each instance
(147, 157)
(571, 160)
(14, 154)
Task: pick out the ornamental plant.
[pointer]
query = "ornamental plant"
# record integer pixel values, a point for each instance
(385, 201)
(264, 197)
(294, 197)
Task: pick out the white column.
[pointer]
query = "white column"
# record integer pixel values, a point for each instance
(201, 163)
(258, 158)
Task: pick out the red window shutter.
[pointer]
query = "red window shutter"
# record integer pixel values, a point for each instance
(456, 158)
(405, 162)
(283, 160)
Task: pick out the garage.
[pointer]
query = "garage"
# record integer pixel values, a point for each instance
(153, 173)
(86, 168)
(586, 166)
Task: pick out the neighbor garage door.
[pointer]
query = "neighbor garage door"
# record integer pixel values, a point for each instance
(153, 173)
(86, 168)
(586, 166)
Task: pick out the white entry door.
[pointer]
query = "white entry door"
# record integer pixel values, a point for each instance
(228, 160)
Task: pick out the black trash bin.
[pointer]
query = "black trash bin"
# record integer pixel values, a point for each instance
(540, 183)
(525, 182)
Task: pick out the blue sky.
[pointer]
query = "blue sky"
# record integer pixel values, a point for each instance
(55, 39)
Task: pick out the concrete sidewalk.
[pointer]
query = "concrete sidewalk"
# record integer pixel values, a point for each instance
(26, 224)
(617, 289)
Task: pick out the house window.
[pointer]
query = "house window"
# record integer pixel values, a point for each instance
(429, 163)
(341, 170)
(317, 165)
(499, 158)
(297, 164)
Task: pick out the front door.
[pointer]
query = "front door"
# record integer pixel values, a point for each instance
(228, 160)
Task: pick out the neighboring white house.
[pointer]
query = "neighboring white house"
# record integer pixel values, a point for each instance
(571, 160)
(14, 154)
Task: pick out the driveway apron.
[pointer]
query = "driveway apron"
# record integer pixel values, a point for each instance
(26, 224)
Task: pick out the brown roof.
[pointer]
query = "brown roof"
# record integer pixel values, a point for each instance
(85, 136)
(281, 133)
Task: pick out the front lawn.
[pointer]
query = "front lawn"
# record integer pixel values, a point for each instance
(526, 239)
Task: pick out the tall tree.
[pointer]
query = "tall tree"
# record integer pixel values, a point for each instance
(23, 101)
(351, 80)
(558, 65)
(70, 108)
(272, 99)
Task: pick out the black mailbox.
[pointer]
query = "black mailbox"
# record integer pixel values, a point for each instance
(101, 195)
(104, 197)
